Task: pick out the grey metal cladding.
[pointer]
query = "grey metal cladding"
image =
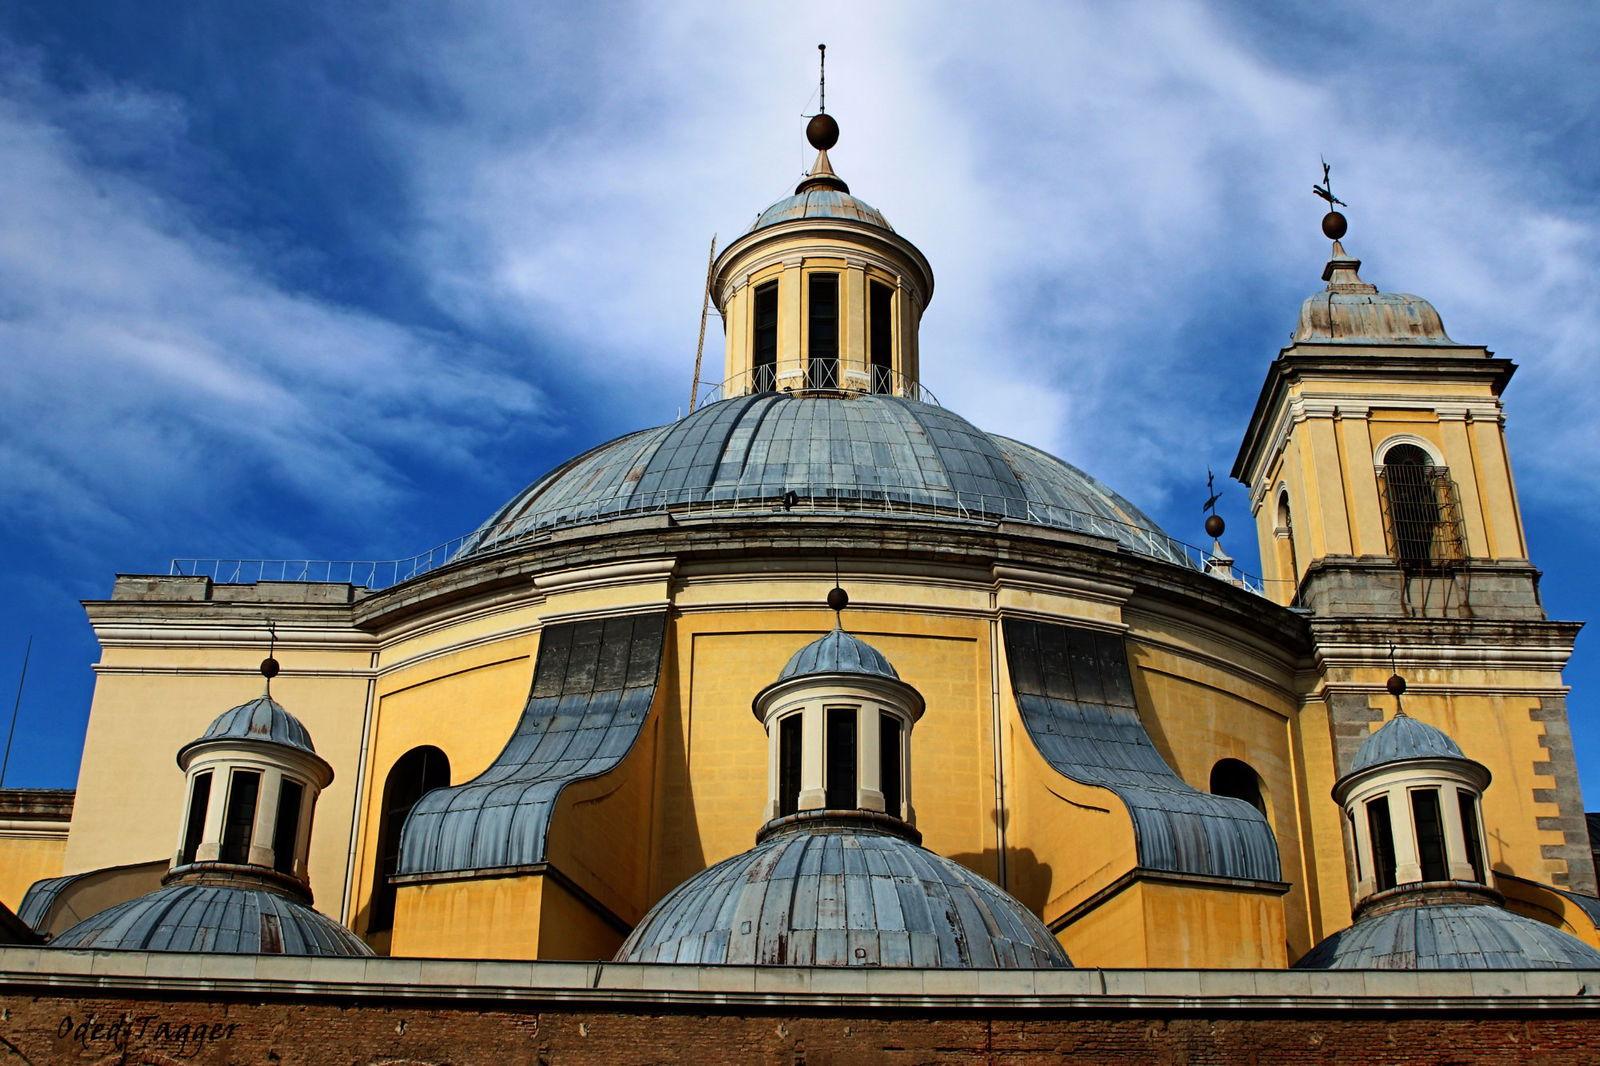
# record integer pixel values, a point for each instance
(883, 451)
(593, 685)
(838, 652)
(262, 718)
(1401, 738)
(213, 918)
(41, 896)
(1478, 936)
(1075, 693)
(842, 897)
(821, 203)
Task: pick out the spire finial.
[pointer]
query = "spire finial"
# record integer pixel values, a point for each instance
(838, 598)
(269, 665)
(1214, 523)
(1334, 224)
(822, 131)
(1396, 684)
(822, 78)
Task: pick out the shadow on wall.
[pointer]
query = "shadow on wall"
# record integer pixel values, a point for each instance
(1026, 878)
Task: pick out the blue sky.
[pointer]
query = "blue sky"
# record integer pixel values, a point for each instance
(296, 280)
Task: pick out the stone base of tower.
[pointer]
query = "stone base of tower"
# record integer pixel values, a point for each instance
(1173, 921)
(533, 913)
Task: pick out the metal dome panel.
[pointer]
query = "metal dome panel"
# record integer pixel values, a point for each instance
(842, 897)
(838, 653)
(224, 920)
(1450, 937)
(1401, 738)
(264, 719)
(886, 454)
(821, 203)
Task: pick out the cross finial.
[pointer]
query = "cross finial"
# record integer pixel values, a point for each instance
(1325, 190)
(1214, 523)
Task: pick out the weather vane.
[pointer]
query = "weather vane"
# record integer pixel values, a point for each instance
(1334, 224)
(1214, 523)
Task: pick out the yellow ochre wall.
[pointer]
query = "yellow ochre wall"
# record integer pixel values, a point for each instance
(26, 857)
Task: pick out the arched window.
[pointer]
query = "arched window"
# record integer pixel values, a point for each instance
(417, 772)
(1420, 514)
(1230, 777)
(1287, 561)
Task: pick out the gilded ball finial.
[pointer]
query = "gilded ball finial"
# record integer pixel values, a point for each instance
(1396, 685)
(269, 668)
(838, 599)
(822, 131)
(1334, 225)
(1215, 526)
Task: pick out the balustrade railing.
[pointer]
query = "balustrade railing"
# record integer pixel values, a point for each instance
(823, 377)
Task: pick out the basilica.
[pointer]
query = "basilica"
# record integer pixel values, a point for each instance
(823, 676)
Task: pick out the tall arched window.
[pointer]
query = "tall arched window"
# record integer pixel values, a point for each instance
(1419, 507)
(1230, 777)
(1288, 563)
(417, 772)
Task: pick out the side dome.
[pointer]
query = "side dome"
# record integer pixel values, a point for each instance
(1450, 937)
(1401, 739)
(263, 719)
(820, 203)
(886, 455)
(838, 653)
(216, 919)
(842, 897)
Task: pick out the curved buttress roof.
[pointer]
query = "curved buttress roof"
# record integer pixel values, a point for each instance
(842, 897)
(216, 919)
(870, 452)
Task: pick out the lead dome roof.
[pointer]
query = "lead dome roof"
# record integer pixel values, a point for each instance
(262, 719)
(838, 653)
(1352, 311)
(211, 918)
(1401, 739)
(821, 203)
(1477, 936)
(842, 897)
(879, 453)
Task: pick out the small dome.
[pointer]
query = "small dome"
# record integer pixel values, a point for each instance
(821, 203)
(1353, 311)
(842, 897)
(838, 653)
(264, 719)
(1450, 937)
(1403, 738)
(216, 919)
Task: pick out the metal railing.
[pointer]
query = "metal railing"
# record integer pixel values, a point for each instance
(946, 505)
(824, 377)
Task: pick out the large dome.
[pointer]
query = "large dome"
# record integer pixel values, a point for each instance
(842, 897)
(884, 454)
(1450, 937)
(213, 918)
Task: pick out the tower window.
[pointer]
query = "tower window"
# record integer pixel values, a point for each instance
(765, 343)
(889, 763)
(238, 824)
(880, 316)
(840, 765)
(286, 830)
(1430, 834)
(789, 748)
(199, 801)
(1382, 834)
(417, 772)
(1469, 830)
(822, 364)
(1420, 511)
(1230, 777)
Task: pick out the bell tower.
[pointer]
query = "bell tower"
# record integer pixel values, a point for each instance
(1385, 509)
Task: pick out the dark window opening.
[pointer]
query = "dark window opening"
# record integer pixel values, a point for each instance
(239, 822)
(199, 801)
(789, 749)
(1430, 834)
(1419, 508)
(286, 830)
(889, 763)
(1230, 777)
(880, 315)
(765, 364)
(416, 773)
(822, 364)
(841, 758)
(1469, 830)
(1382, 834)
(1360, 866)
